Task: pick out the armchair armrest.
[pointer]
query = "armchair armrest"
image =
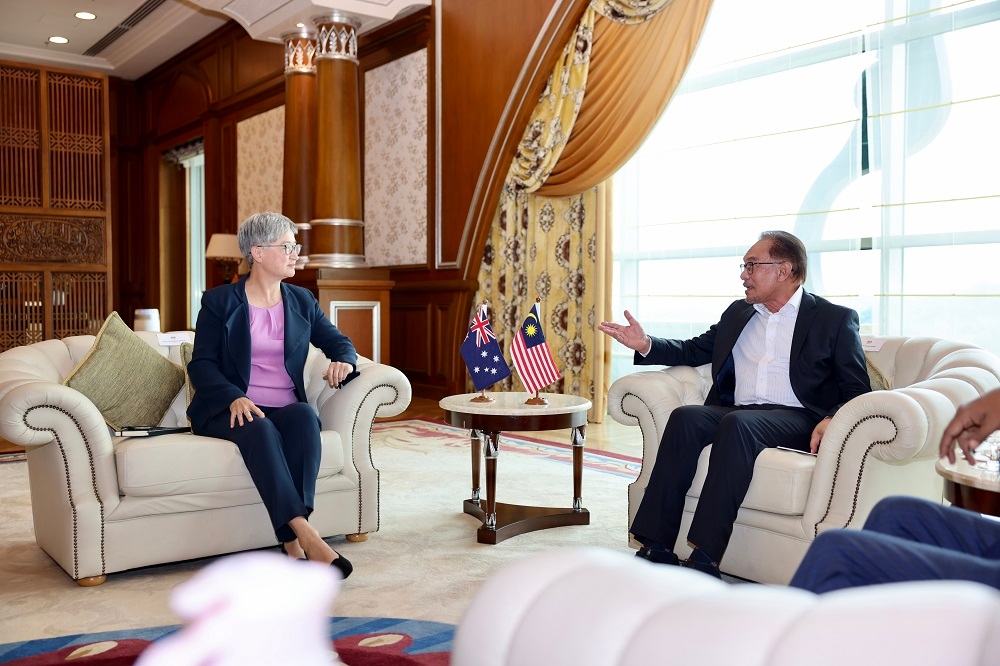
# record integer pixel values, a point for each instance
(894, 427)
(657, 393)
(647, 398)
(378, 391)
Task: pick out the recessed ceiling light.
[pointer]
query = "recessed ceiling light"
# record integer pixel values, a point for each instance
(300, 25)
(58, 40)
(86, 16)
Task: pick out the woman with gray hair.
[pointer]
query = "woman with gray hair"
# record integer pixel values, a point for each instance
(247, 365)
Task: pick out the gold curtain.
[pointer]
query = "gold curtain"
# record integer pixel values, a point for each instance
(551, 235)
(634, 71)
(551, 248)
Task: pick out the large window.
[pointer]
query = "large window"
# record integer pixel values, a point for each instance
(867, 128)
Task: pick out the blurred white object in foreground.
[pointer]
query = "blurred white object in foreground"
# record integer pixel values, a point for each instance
(250, 609)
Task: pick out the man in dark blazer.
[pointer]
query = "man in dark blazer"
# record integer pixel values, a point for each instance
(783, 362)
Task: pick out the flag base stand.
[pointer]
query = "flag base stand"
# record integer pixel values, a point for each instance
(482, 397)
(536, 400)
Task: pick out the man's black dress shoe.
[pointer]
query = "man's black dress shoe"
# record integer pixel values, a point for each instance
(659, 556)
(711, 568)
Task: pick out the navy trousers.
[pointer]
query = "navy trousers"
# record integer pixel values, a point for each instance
(737, 435)
(904, 539)
(282, 453)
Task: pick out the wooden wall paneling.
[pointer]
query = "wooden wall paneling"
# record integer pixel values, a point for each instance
(421, 312)
(256, 63)
(129, 228)
(485, 46)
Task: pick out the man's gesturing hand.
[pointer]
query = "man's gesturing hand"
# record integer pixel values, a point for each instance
(632, 336)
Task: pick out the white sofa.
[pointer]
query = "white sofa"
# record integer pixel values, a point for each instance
(103, 504)
(591, 607)
(879, 444)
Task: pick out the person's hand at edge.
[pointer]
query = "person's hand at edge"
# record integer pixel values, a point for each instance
(632, 336)
(972, 423)
(243, 408)
(817, 434)
(337, 373)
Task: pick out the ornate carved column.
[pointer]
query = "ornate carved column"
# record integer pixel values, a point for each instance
(338, 232)
(300, 134)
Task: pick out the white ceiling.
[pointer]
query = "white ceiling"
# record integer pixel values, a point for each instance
(174, 25)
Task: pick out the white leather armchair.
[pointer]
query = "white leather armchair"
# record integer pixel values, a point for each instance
(103, 504)
(879, 444)
(590, 607)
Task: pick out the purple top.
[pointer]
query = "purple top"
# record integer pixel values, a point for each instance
(270, 385)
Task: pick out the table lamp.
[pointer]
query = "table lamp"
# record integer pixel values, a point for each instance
(224, 249)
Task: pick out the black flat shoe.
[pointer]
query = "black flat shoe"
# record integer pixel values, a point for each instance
(342, 564)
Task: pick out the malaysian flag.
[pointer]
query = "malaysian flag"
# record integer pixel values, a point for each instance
(482, 353)
(531, 355)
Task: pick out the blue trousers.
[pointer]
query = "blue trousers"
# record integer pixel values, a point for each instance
(904, 539)
(737, 435)
(282, 454)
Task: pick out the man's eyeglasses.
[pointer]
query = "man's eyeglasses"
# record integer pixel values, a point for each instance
(289, 248)
(750, 265)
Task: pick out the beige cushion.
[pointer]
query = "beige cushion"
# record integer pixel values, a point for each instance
(186, 350)
(876, 379)
(126, 379)
(184, 464)
(780, 484)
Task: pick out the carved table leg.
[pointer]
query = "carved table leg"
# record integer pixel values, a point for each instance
(492, 441)
(477, 454)
(579, 439)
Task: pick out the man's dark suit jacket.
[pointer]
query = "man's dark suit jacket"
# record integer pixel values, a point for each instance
(220, 364)
(826, 365)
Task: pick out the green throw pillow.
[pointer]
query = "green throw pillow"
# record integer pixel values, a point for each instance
(186, 350)
(125, 378)
(875, 377)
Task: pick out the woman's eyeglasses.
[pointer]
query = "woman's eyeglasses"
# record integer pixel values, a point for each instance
(289, 248)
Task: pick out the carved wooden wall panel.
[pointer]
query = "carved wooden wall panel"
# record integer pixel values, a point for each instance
(77, 141)
(33, 239)
(20, 137)
(20, 308)
(55, 236)
(78, 303)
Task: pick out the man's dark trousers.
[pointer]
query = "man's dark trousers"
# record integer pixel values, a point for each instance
(737, 435)
(904, 539)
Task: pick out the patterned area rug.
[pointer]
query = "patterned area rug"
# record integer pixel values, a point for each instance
(423, 563)
(359, 641)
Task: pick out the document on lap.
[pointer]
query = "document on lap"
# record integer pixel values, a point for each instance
(148, 431)
(785, 448)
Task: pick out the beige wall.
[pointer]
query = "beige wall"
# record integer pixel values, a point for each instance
(395, 169)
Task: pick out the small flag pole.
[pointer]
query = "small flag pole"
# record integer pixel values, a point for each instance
(537, 399)
(482, 397)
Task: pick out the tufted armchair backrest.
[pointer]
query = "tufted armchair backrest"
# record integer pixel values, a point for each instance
(905, 361)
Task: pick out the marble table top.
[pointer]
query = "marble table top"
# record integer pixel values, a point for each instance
(968, 475)
(508, 403)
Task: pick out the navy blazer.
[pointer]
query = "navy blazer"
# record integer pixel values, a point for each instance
(826, 364)
(220, 363)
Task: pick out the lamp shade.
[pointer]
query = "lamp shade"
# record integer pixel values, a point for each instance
(224, 247)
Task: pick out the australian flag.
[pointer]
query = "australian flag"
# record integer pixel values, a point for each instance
(482, 353)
